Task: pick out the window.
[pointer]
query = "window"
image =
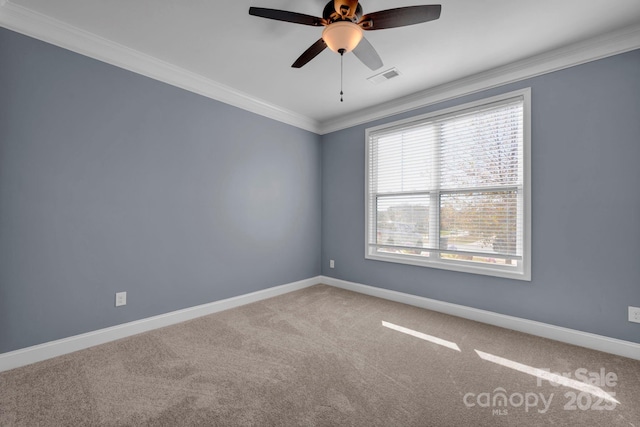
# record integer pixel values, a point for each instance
(450, 189)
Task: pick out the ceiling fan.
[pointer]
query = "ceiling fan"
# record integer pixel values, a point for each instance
(344, 23)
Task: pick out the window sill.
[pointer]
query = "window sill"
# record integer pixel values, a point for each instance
(453, 265)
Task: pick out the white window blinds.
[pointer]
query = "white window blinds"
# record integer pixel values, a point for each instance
(449, 189)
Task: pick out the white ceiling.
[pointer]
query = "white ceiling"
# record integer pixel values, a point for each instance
(252, 56)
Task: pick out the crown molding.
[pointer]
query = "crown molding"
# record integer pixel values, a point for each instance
(28, 22)
(42, 27)
(620, 41)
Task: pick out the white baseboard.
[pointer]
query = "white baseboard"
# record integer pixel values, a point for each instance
(557, 333)
(37, 353)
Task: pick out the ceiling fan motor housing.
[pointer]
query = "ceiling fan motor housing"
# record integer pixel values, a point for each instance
(338, 11)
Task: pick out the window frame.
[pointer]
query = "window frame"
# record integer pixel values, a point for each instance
(523, 273)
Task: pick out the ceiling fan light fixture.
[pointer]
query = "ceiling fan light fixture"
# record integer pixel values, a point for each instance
(342, 35)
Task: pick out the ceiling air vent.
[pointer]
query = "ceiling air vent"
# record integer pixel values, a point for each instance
(384, 76)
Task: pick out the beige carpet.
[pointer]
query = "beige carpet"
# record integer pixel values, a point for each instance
(323, 357)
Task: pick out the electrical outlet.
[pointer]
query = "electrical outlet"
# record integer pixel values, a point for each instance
(121, 298)
(332, 264)
(634, 314)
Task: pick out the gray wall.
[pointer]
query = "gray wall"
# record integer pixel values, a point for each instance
(585, 207)
(110, 181)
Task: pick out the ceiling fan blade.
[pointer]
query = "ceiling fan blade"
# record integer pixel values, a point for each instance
(400, 17)
(310, 53)
(284, 15)
(346, 8)
(367, 54)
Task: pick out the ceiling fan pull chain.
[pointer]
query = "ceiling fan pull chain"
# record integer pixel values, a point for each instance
(341, 72)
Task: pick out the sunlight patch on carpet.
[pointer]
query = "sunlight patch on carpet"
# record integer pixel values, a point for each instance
(548, 376)
(422, 336)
